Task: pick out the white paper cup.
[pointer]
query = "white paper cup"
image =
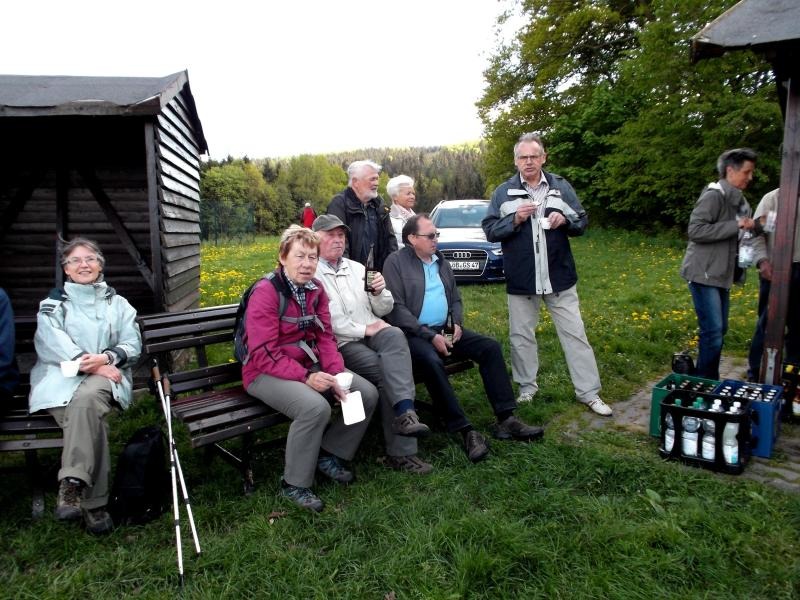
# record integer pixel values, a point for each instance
(545, 222)
(344, 379)
(69, 368)
(353, 408)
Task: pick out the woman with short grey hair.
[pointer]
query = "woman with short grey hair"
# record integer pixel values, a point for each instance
(86, 342)
(401, 191)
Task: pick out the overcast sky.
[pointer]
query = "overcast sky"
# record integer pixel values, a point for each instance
(279, 78)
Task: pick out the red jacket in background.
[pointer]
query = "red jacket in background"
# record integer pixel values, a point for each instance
(308, 216)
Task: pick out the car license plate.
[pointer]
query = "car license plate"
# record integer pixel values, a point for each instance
(465, 265)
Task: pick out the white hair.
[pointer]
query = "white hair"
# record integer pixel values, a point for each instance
(357, 167)
(395, 183)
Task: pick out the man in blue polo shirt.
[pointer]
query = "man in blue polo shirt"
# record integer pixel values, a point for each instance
(425, 294)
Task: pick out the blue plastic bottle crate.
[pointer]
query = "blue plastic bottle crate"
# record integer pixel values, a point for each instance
(765, 402)
(665, 386)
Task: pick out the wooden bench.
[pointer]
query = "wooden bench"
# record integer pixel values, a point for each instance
(208, 397)
(23, 432)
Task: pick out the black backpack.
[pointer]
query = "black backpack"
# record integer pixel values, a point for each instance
(240, 350)
(141, 482)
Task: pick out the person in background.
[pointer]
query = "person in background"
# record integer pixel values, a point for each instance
(425, 300)
(763, 247)
(370, 346)
(361, 208)
(308, 215)
(86, 321)
(401, 192)
(292, 365)
(8, 367)
(533, 215)
(719, 214)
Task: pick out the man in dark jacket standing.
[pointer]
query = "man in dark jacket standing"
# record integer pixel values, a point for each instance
(425, 300)
(532, 215)
(363, 211)
(708, 265)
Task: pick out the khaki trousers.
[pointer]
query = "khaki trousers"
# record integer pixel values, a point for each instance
(564, 308)
(312, 427)
(86, 455)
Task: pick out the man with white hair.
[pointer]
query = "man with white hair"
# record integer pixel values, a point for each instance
(401, 192)
(361, 208)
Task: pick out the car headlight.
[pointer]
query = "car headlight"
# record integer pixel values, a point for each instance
(497, 251)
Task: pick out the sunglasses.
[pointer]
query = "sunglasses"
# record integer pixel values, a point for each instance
(430, 236)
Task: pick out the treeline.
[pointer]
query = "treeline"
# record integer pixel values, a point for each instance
(626, 116)
(246, 196)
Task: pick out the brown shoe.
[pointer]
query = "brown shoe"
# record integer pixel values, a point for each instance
(475, 446)
(409, 425)
(98, 521)
(513, 428)
(68, 505)
(409, 464)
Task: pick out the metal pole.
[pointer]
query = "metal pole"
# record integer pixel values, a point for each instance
(175, 512)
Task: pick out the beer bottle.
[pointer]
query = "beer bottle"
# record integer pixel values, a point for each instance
(449, 329)
(370, 272)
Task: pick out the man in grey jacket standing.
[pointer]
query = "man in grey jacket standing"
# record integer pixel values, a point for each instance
(708, 265)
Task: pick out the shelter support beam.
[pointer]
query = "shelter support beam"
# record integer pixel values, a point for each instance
(93, 183)
(784, 236)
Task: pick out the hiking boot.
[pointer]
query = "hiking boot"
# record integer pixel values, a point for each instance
(98, 521)
(331, 466)
(598, 406)
(68, 505)
(409, 425)
(525, 397)
(302, 497)
(475, 446)
(513, 428)
(409, 464)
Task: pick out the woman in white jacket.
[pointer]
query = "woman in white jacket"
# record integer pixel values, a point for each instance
(88, 323)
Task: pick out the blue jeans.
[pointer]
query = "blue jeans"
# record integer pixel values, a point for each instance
(711, 305)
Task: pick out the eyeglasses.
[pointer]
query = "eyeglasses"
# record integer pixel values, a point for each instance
(430, 236)
(527, 157)
(76, 260)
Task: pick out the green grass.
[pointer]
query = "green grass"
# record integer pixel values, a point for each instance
(597, 516)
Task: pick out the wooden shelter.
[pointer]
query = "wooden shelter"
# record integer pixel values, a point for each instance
(114, 159)
(770, 28)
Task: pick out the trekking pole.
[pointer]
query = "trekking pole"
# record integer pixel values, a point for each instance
(175, 510)
(174, 447)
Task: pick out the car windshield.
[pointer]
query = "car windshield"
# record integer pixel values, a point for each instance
(460, 216)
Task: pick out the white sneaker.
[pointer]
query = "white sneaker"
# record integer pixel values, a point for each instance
(598, 406)
(525, 397)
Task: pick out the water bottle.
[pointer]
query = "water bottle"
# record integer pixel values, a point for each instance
(709, 442)
(691, 425)
(669, 432)
(730, 445)
(746, 250)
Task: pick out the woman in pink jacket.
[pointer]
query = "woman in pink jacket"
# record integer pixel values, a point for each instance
(291, 364)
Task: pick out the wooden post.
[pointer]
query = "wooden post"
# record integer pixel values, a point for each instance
(62, 220)
(153, 206)
(784, 237)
